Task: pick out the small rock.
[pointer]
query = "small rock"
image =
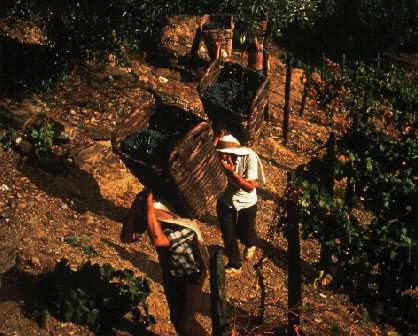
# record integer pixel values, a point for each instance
(72, 111)
(35, 261)
(89, 219)
(162, 79)
(21, 204)
(4, 187)
(64, 206)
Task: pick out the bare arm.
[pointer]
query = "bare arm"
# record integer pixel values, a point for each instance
(247, 185)
(157, 235)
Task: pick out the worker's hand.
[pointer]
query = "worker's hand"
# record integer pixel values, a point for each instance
(219, 132)
(203, 20)
(227, 163)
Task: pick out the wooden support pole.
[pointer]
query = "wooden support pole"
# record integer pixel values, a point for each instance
(414, 300)
(287, 98)
(304, 96)
(294, 278)
(266, 55)
(196, 43)
(349, 193)
(220, 325)
(266, 47)
(330, 162)
(2, 79)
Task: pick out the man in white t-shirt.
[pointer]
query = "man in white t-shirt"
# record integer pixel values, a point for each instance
(237, 207)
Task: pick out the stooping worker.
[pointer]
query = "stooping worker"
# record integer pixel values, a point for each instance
(237, 207)
(182, 254)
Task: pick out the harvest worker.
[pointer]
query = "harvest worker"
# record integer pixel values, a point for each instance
(237, 207)
(255, 55)
(183, 257)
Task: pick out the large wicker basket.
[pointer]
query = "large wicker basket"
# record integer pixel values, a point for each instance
(245, 123)
(190, 178)
(223, 37)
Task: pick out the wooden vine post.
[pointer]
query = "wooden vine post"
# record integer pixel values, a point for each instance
(220, 325)
(304, 95)
(294, 279)
(328, 176)
(196, 42)
(266, 64)
(266, 48)
(287, 98)
(327, 179)
(1, 65)
(413, 306)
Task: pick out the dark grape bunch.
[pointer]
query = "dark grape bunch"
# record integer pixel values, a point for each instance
(146, 143)
(235, 89)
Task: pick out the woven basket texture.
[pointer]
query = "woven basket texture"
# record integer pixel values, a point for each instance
(247, 125)
(221, 36)
(189, 177)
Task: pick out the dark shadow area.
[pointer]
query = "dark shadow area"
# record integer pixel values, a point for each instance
(278, 256)
(72, 184)
(209, 219)
(139, 260)
(275, 163)
(192, 68)
(152, 271)
(26, 68)
(266, 194)
(24, 287)
(355, 28)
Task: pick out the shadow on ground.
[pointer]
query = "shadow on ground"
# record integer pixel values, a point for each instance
(21, 287)
(75, 187)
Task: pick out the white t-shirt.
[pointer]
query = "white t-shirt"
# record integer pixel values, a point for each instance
(234, 196)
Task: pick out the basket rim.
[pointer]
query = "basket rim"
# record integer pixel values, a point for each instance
(117, 148)
(217, 30)
(263, 85)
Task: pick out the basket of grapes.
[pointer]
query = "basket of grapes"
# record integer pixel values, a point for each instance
(218, 31)
(236, 95)
(171, 151)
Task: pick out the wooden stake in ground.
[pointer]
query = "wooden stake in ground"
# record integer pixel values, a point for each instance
(294, 278)
(287, 98)
(220, 326)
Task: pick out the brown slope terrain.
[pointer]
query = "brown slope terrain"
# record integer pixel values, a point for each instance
(39, 209)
